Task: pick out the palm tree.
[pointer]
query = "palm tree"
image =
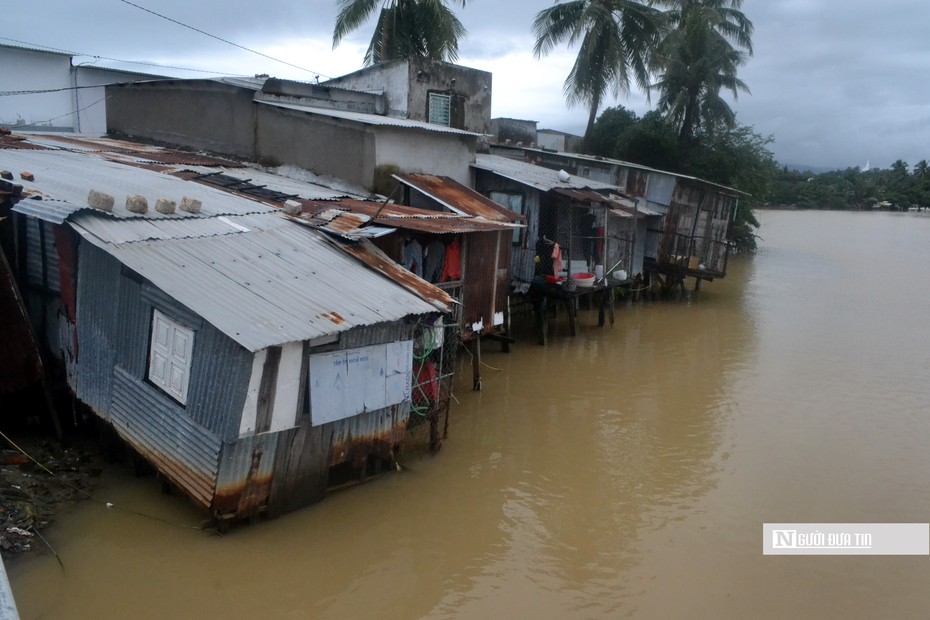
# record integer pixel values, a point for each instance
(706, 41)
(920, 169)
(405, 28)
(617, 38)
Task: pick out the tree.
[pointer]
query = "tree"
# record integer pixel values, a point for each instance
(920, 169)
(405, 28)
(609, 125)
(705, 43)
(616, 40)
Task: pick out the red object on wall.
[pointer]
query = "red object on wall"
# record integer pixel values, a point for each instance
(425, 383)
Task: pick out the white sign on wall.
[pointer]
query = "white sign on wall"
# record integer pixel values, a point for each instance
(347, 383)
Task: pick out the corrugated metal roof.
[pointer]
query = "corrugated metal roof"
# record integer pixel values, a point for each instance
(459, 198)
(307, 186)
(535, 176)
(410, 218)
(263, 287)
(369, 119)
(621, 206)
(629, 164)
(250, 83)
(68, 177)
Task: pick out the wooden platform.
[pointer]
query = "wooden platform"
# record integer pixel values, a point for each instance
(541, 294)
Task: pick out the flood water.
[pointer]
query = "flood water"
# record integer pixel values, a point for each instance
(626, 472)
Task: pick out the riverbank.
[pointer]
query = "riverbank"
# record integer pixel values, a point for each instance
(40, 479)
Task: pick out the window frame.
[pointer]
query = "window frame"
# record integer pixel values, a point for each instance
(435, 107)
(165, 350)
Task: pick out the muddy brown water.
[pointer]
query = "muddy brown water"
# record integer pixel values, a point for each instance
(623, 473)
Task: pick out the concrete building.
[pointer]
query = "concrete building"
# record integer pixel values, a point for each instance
(428, 90)
(328, 130)
(56, 94)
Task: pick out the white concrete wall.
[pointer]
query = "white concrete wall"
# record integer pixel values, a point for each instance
(428, 152)
(390, 78)
(33, 70)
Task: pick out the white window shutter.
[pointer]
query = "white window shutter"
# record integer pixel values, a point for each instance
(170, 356)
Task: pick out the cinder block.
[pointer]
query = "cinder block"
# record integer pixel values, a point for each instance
(136, 203)
(165, 206)
(100, 200)
(292, 207)
(191, 205)
(27, 176)
(6, 174)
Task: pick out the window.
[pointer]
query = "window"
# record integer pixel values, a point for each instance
(514, 202)
(440, 109)
(170, 356)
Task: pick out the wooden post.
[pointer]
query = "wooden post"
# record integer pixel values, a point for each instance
(476, 363)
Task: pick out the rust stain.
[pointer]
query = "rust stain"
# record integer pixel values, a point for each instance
(332, 316)
(404, 217)
(452, 193)
(374, 258)
(356, 450)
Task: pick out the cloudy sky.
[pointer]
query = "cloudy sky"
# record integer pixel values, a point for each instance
(835, 84)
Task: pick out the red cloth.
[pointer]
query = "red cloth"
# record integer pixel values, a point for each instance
(452, 269)
(425, 383)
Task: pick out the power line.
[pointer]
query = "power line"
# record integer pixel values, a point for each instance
(213, 36)
(39, 91)
(49, 121)
(133, 62)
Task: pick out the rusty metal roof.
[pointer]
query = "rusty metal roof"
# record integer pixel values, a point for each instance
(374, 258)
(409, 218)
(459, 198)
(257, 277)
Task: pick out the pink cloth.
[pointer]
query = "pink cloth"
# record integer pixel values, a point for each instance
(556, 259)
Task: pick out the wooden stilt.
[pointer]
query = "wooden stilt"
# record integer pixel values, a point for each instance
(476, 363)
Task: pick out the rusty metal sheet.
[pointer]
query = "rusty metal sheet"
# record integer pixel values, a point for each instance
(376, 432)
(366, 252)
(459, 198)
(408, 218)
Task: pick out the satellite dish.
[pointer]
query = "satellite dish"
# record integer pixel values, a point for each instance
(564, 176)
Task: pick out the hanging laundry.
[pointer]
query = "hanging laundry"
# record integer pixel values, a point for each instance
(452, 269)
(413, 257)
(434, 256)
(556, 259)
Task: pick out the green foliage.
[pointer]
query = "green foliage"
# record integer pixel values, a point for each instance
(610, 124)
(737, 157)
(405, 28)
(616, 39)
(705, 42)
(854, 188)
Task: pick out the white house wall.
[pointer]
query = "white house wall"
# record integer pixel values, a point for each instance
(29, 70)
(286, 395)
(287, 392)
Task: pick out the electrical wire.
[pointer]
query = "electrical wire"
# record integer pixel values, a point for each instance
(18, 127)
(213, 36)
(132, 62)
